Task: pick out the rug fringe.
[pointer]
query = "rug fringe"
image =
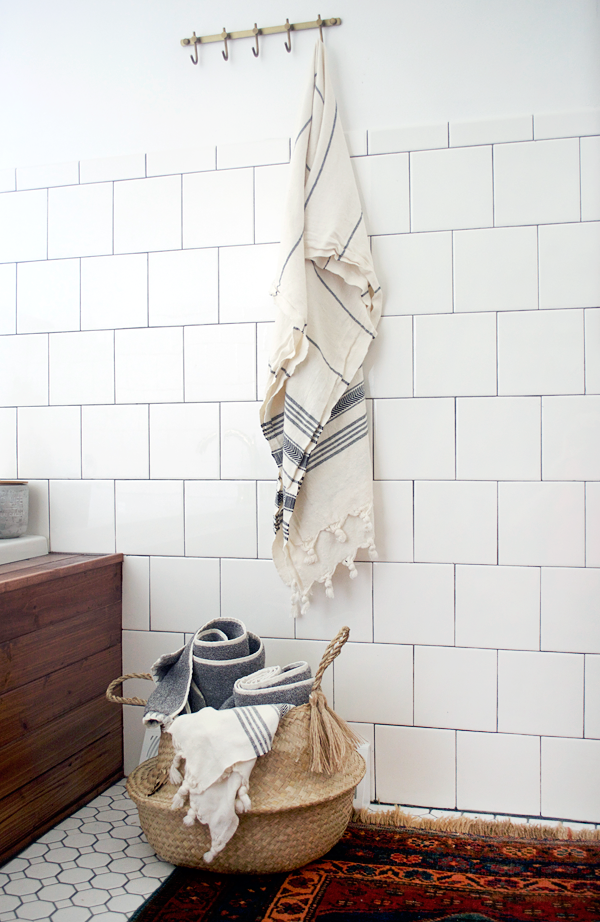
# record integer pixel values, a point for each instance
(397, 818)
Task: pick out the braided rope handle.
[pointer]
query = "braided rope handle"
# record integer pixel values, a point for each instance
(115, 699)
(334, 648)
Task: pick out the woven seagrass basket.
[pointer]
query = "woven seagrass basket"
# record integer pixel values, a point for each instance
(297, 814)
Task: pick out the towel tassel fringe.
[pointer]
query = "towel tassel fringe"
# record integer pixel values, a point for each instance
(349, 562)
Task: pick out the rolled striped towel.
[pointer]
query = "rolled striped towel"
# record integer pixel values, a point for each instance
(290, 684)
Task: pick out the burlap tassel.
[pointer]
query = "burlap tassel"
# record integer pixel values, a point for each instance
(331, 739)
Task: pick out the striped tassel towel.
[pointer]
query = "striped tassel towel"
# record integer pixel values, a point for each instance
(328, 304)
(291, 684)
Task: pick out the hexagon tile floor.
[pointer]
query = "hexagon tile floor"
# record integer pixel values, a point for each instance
(95, 865)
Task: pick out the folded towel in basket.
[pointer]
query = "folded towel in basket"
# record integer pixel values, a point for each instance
(291, 684)
(220, 749)
(203, 672)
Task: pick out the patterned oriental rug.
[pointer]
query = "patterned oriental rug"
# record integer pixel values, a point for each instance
(379, 874)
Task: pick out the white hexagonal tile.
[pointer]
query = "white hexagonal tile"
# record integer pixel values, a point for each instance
(110, 816)
(143, 886)
(126, 865)
(93, 861)
(78, 840)
(43, 871)
(125, 903)
(35, 911)
(53, 835)
(56, 892)
(62, 854)
(14, 866)
(72, 822)
(8, 903)
(108, 881)
(71, 914)
(35, 851)
(23, 887)
(91, 897)
(158, 870)
(75, 875)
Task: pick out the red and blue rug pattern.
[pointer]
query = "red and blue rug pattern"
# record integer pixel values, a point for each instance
(377, 874)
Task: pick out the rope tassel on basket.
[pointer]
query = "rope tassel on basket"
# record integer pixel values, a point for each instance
(330, 738)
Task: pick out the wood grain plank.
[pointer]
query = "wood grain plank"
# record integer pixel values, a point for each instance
(25, 659)
(51, 744)
(29, 707)
(28, 608)
(29, 812)
(54, 569)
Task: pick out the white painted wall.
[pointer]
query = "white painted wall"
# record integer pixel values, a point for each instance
(82, 80)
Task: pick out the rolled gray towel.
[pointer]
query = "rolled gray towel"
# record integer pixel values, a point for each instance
(290, 684)
(204, 671)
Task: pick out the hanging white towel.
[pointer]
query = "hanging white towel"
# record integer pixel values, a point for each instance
(328, 304)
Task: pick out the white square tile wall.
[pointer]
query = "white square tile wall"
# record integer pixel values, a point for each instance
(135, 323)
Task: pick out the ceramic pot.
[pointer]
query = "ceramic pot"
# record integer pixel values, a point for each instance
(14, 508)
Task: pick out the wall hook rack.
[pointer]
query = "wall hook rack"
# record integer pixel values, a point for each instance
(288, 28)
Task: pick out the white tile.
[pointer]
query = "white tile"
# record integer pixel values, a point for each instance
(590, 179)
(148, 214)
(567, 124)
(388, 364)
(80, 220)
(115, 442)
(23, 226)
(498, 438)
(356, 141)
(149, 365)
(49, 442)
(8, 298)
(592, 697)
(410, 137)
(455, 522)
(491, 131)
(495, 269)
(383, 187)
(187, 160)
(592, 522)
(114, 292)
(8, 443)
(413, 603)
(253, 591)
(498, 772)
(184, 441)
(366, 732)
(183, 287)
(414, 439)
(220, 518)
(571, 438)
(48, 296)
(52, 174)
(184, 593)
(540, 352)
(140, 650)
(103, 169)
(244, 450)
(393, 513)
(82, 368)
(592, 351)
(451, 189)
(570, 770)
(569, 265)
(280, 652)
(415, 272)
(445, 678)
(571, 609)
(455, 354)
(536, 182)
(133, 736)
(253, 153)
(498, 607)
(387, 695)
(415, 766)
(218, 208)
(541, 524)
(149, 516)
(24, 370)
(270, 191)
(245, 277)
(264, 342)
(8, 179)
(540, 693)
(39, 508)
(266, 509)
(82, 516)
(351, 606)
(136, 593)
(220, 362)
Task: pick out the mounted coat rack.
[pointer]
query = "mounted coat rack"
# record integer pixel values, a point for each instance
(226, 36)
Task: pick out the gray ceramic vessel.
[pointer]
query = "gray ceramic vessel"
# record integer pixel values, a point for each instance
(14, 508)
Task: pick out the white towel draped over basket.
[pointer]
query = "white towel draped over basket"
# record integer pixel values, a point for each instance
(328, 304)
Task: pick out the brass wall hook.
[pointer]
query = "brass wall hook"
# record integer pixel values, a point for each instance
(320, 25)
(195, 42)
(224, 37)
(288, 47)
(256, 32)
